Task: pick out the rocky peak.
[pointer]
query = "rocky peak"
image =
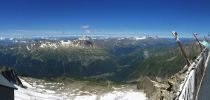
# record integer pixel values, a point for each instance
(12, 77)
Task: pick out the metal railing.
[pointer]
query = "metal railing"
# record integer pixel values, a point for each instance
(194, 76)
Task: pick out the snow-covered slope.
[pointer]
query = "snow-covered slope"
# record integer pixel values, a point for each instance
(35, 93)
(39, 92)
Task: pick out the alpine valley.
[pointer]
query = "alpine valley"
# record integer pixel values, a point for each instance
(96, 65)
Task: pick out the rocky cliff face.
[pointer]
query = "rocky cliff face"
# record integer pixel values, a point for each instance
(162, 89)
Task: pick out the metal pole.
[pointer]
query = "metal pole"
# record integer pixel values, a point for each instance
(206, 39)
(208, 36)
(195, 35)
(175, 34)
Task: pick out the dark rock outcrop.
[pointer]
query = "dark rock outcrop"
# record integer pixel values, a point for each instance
(12, 77)
(147, 85)
(165, 90)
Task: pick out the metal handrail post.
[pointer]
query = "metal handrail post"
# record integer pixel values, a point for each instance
(195, 35)
(175, 34)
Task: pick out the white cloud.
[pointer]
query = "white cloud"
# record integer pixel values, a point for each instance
(85, 26)
(21, 30)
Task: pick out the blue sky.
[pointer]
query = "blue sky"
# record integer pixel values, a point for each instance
(115, 17)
